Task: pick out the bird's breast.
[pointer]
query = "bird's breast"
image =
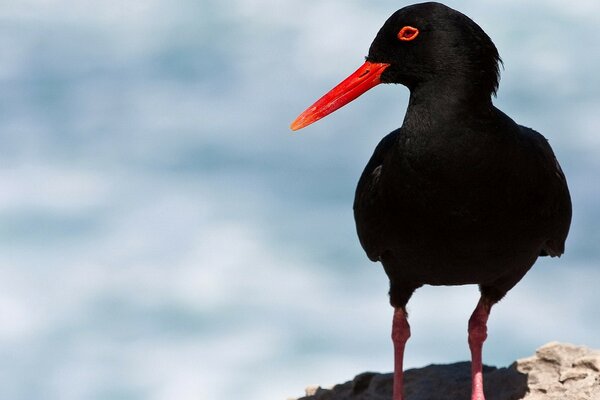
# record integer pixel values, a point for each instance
(449, 193)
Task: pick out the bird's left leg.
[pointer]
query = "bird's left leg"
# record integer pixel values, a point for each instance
(477, 335)
(400, 334)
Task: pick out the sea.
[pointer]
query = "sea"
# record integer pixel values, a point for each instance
(164, 235)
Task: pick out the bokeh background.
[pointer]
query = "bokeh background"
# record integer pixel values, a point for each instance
(163, 235)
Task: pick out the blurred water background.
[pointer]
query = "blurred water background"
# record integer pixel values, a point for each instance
(163, 235)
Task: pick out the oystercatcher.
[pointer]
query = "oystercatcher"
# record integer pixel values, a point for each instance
(460, 194)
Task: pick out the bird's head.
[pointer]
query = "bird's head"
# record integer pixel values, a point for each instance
(418, 45)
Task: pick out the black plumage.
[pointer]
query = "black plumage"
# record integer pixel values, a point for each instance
(460, 194)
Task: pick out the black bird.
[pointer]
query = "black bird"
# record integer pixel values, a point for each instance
(460, 194)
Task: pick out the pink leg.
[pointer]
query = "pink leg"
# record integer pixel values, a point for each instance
(400, 334)
(477, 335)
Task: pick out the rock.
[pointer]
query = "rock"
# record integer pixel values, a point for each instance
(562, 372)
(556, 372)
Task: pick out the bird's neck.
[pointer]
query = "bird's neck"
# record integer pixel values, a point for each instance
(436, 104)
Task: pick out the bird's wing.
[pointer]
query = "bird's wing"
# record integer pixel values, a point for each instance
(369, 207)
(556, 208)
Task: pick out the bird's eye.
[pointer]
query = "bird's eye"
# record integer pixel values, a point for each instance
(408, 33)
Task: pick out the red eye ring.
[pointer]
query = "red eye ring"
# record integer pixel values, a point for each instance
(408, 33)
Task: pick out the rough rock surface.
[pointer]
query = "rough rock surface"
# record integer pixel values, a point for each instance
(556, 372)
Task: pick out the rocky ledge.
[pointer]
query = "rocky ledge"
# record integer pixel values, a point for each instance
(556, 372)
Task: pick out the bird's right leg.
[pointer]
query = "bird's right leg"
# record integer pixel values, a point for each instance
(400, 334)
(477, 335)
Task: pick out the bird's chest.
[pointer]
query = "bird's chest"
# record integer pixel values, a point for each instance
(445, 184)
(425, 194)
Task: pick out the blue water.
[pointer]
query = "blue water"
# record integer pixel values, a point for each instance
(163, 235)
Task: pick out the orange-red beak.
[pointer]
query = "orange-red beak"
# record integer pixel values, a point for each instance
(366, 77)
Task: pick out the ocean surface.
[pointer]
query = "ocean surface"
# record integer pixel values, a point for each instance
(164, 235)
